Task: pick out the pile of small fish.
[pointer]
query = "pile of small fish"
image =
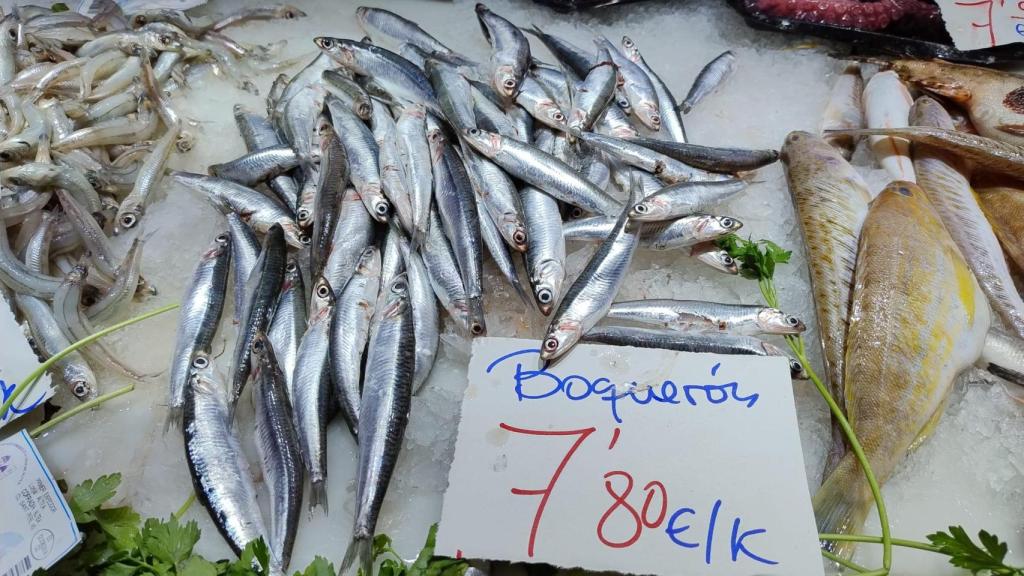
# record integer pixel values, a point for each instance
(904, 281)
(85, 132)
(378, 178)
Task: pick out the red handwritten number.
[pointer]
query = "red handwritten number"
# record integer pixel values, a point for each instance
(619, 502)
(545, 493)
(647, 503)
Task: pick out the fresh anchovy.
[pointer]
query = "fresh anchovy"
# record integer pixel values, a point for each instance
(554, 82)
(887, 105)
(453, 193)
(453, 93)
(312, 393)
(499, 199)
(588, 298)
(256, 167)
(201, 307)
(685, 198)
(713, 75)
(415, 154)
(353, 233)
(709, 253)
(425, 321)
(329, 189)
(362, 153)
(152, 170)
(21, 278)
(542, 170)
(245, 251)
(76, 325)
(845, 109)
(510, 51)
(537, 101)
(575, 58)
(944, 177)
(668, 169)
(397, 28)
(443, 269)
(393, 176)
(383, 414)
(491, 117)
(685, 231)
(301, 82)
(399, 77)
(348, 91)
(690, 342)
(289, 322)
(306, 201)
(349, 332)
(261, 291)
(594, 93)
(391, 264)
(46, 176)
(831, 200)
(90, 232)
(498, 250)
(545, 256)
(698, 316)
(275, 12)
(671, 122)
(636, 85)
(219, 470)
(73, 369)
(710, 158)
(257, 209)
(299, 123)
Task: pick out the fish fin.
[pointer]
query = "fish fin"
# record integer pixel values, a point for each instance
(836, 450)
(929, 426)
(841, 505)
(318, 495)
(953, 90)
(684, 107)
(175, 414)
(1014, 129)
(360, 548)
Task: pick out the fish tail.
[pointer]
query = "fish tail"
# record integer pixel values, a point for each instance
(174, 416)
(841, 505)
(836, 451)
(318, 494)
(360, 548)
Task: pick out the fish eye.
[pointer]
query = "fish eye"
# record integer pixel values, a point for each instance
(509, 83)
(398, 286)
(13, 33)
(381, 208)
(139, 20)
(128, 220)
(80, 389)
(302, 214)
(558, 116)
(200, 362)
(6, 156)
(544, 296)
(551, 344)
(305, 239)
(477, 329)
(727, 222)
(728, 260)
(640, 208)
(792, 321)
(288, 14)
(795, 367)
(290, 267)
(257, 345)
(323, 291)
(519, 237)
(326, 43)
(473, 131)
(222, 239)
(166, 39)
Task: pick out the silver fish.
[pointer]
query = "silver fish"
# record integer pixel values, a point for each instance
(671, 123)
(636, 85)
(353, 233)
(362, 153)
(685, 198)
(397, 28)
(348, 91)
(539, 103)
(415, 155)
(41, 176)
(453, 93)
(311, 390)
(545, 256)
(498, 199)
(201, 308)
(594, 94)
(349, 332)
(443, 269)
(510, 51)
(686, 231)
(289, 322)
(425, 323)
(541, 170)
(499, 251)
(709, 79)
(668, 170)
(19, 277)
(383, 415)
(278, 446)
(261, 292)
(259, 166)
(699, 316)
(709, 253)
(690, 342)
(588, 298)
(330, 186)
(219, 470)
(710, 158)
(245, 251)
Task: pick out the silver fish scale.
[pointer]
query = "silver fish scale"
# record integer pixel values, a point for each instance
(352, 234)
(312, 392)
(690, 315)
(350, 331)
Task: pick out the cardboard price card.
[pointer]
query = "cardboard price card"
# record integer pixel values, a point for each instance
(974, 24)
(632, 460)
(18, 361)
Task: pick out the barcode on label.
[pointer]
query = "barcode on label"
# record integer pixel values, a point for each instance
(22, 568)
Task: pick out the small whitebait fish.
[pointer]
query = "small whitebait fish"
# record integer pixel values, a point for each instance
(713, 75)
(699, 316)
(680, 233)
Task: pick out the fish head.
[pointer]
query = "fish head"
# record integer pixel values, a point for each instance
(76, 276)
(623, 102)
(560, 338)
(294, 235)
(547, 285)
(506, 81)
(650, 210)
(13, 149)
(32, 174)
(796, 370)
(774, 321)
(292, 274)
(549, 113)
(289, 12)
(339, 50)
(160, 37)
(515, 230)
(629, 48)
(128, 215)
(486, 143)
(649, 115)
(719, 260)
(80, 381)
(796, 142)
(221, 243)
(397, 297)
(323, 298)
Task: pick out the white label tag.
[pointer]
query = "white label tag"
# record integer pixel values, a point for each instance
(16, 362)
(36, 525)
(977, 24)
(630, 460)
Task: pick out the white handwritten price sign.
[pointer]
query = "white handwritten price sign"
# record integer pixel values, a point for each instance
(632, 460)
(983, 23)
(18, 361)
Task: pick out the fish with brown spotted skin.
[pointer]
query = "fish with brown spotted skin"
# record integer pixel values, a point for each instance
(831, 200)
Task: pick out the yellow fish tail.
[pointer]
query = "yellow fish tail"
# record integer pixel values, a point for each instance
(842, 504)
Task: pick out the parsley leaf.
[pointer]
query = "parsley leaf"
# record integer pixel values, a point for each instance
(168, 541)
(90, 495)
(319, 567)
(964, 553)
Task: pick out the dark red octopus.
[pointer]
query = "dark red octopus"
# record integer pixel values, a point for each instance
(875, 15)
